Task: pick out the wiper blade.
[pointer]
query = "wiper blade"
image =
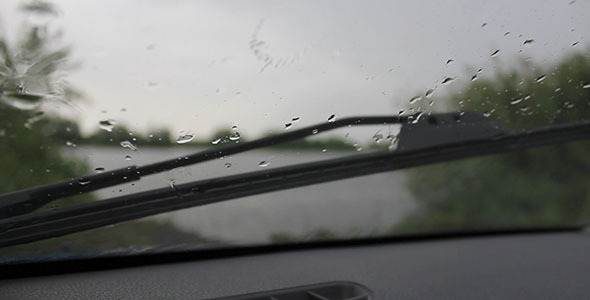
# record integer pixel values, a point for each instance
(44, 224)
(28, 200)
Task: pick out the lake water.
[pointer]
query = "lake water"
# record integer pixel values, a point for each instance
(348, 207)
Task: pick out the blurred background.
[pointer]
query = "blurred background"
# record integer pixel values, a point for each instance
(89, 86)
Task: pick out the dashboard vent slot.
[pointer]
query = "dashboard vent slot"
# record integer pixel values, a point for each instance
(322, 291)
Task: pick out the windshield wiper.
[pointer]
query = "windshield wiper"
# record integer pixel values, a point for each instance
(28, 200)
(422, 140)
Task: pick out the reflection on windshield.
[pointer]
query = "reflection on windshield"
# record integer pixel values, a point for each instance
(88, 88)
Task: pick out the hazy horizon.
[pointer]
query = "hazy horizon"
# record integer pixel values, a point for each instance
(201, 66)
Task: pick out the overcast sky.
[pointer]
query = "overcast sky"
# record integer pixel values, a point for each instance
(200, 65)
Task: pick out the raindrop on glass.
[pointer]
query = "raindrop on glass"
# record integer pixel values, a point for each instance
(216, 141)
(83, 181)
(429, 93)
(448, 80)
(332, 118)
(315, 131)
(377, 137)
(530, 41)
(449, 61)
(295, 119)
(99, 169)
(575, 43)
(227, 165)
(586, 85)
(234, 128)
(107, 124)
(263, 164)
(540, 78)
(235, 136)
(185, 137)
(127, 157)
(516, 101)
(288, 125)
(415, 99)
(489, 112)
(129, 145)
(474, 77)
(495, 53)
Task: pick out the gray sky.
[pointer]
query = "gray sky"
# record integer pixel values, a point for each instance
(200, 65)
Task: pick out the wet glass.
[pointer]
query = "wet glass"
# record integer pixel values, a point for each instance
(87, 87)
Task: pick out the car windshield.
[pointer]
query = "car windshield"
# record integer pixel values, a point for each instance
(91, 86)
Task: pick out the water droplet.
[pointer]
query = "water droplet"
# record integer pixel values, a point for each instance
(429, 93)
(288, 125)
(263, 164)
(227, 165)
(506, 33)
(185, 137)
(107, 124)
(516, 101)
(129, 145)
(474, 77)
(324, 150)
(448, 80)
(586, 85)
(216, 141)
(99, 169)
(479, 70)
(557, 90)
(127, 157)
(489, 112)
(234, 128)
(417, 118)
(332, 118)
(530, 41)
(36, 117)
(357, 147)
(527, 97)
(449, 61)
(70, 144)
(575, 43)
(21, 100)
(235, 136)
(415, 99)
(540, 78)
(495, 53)
(315, 131)
(295, 119)
(378, 137)
(83, 181)
(484, 25)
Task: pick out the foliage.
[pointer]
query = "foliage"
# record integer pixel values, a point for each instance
(31, 141)
(547, 186)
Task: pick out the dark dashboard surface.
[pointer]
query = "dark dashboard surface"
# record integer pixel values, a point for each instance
(526, 266)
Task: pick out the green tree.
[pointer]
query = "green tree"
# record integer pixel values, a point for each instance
(29, 77)
(31, 142)
(546, 186)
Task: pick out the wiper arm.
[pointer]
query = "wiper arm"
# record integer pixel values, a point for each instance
(44, 224)
(28, 200)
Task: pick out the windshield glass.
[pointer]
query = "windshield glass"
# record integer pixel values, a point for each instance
(88, 87)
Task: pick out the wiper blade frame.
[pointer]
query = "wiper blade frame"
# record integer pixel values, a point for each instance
(40, 225)
(28, 200)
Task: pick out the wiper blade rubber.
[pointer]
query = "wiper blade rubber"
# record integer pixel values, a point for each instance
(40, 225)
